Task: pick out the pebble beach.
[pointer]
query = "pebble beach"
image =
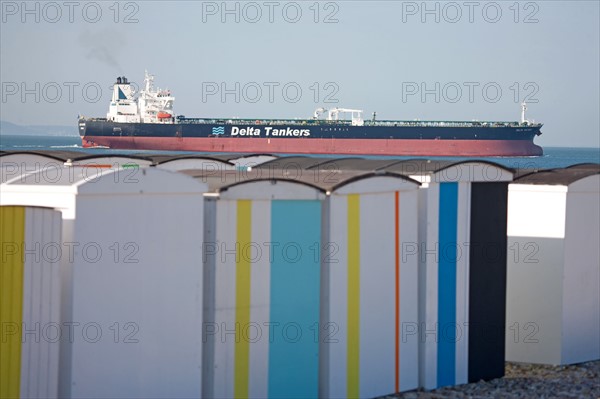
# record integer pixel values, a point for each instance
(521, 381)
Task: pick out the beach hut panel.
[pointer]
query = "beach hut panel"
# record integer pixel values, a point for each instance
(32, 250)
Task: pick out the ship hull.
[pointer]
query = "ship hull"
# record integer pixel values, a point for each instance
(302, 139)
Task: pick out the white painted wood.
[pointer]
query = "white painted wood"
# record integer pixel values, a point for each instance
(337, 332)
(151, 288)
(409, 270)
(377, 294)
(41, 304)
(148, 227)
(226, 233)
(536, 211)
(377, 287)
(428, 285)
(463, 238)
(260, 291)
(581, 298)
(553, 286)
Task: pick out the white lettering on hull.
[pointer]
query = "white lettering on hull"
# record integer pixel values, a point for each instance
(269, 132)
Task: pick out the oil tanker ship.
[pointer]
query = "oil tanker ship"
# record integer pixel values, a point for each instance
(146, 120)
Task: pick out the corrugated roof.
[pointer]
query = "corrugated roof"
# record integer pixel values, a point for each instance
(594, 166)
(520, 172)
(77, 155)
(85, 157)
(563, 177)
(156, 159)
(106, 180)
(161, 159)
(62, 156)
(404, 167)
(165, 157)
(355, 163)
(323, 180)
(325, 173)
(418, 166)
(62, 176)
(295, 162)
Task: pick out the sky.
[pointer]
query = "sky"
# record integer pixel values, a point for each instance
(404, 60)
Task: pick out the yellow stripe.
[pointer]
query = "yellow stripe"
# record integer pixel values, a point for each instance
(353, 296)
(12, 235)
(242, 298)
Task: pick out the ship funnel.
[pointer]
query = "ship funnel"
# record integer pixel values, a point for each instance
(122, 90)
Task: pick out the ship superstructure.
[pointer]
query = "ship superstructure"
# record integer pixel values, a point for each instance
(150, 105)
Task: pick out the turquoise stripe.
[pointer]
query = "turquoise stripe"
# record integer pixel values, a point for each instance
(446, 353)
(295, 287)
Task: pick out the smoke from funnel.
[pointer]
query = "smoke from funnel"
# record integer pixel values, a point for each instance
(97, 49)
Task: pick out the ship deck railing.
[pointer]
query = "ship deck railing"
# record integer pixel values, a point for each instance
(322, 122)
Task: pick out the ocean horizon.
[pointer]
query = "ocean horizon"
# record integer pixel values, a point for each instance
(554, 157)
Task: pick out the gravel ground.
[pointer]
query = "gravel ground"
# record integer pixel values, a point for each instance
(526, 381)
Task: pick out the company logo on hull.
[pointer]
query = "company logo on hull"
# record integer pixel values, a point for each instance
(268, 131)
(218, 130)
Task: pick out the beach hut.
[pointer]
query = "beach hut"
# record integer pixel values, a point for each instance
(369, 323)
(132, 283)
(30, 323)
(553, 298)
(462, 271)
(262, 288)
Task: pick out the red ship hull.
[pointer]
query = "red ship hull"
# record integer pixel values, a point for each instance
(399, 147)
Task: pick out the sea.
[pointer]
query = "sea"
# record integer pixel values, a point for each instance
(554, 157)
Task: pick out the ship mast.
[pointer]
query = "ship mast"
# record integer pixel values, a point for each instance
(523, 109)
(155, 105)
